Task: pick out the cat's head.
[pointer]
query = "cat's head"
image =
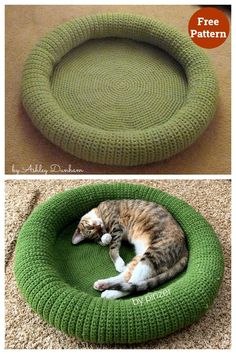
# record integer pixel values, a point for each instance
(90, 228)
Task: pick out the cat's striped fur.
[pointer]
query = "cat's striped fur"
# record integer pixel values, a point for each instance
(160, 245)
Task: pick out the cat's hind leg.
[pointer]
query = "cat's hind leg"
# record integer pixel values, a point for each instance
(106, 284)
(103, 284)
(137, 271)
(141, 272)
(151, 264)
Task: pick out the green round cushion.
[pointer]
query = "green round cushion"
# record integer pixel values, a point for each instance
(119, 89)
(56, 277)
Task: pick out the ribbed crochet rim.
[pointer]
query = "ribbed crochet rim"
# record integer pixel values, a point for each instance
(119, 148)
(114, 321)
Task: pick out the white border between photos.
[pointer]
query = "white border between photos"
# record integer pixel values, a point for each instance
(4, 177)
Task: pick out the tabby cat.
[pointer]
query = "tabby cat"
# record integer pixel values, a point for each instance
(160, 245)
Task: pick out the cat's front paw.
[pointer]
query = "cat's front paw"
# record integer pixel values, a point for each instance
(106, 239)
(120, 265)
(100, 285)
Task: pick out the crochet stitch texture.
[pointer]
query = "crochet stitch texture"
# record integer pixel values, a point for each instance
(119, 89)
(56, 277)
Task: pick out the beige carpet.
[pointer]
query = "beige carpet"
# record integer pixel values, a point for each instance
(27, 149)
(25, 330)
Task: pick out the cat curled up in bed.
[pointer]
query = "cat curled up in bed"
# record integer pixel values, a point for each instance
(159, 242)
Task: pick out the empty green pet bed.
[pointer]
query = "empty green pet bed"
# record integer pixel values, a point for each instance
(56, 278)
(119, 89)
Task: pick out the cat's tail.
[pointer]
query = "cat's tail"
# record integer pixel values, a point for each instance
(151, 283)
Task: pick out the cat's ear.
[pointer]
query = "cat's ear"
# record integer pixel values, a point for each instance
(77, 237)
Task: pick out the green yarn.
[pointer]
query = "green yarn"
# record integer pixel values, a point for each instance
(102, 69)
(56, 277)
(119, 89)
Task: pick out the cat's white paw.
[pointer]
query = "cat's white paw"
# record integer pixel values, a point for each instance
(100, 285)
(112, 294)
(106, 239)
(120, 265)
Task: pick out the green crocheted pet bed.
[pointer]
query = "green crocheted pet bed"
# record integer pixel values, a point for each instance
(119, 89)
(56, 277)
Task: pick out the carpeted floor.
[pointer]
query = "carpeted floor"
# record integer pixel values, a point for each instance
(27, 151)
(25, 330)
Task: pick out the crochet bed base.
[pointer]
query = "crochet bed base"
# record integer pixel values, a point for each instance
(119, 89)
(56, 277)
